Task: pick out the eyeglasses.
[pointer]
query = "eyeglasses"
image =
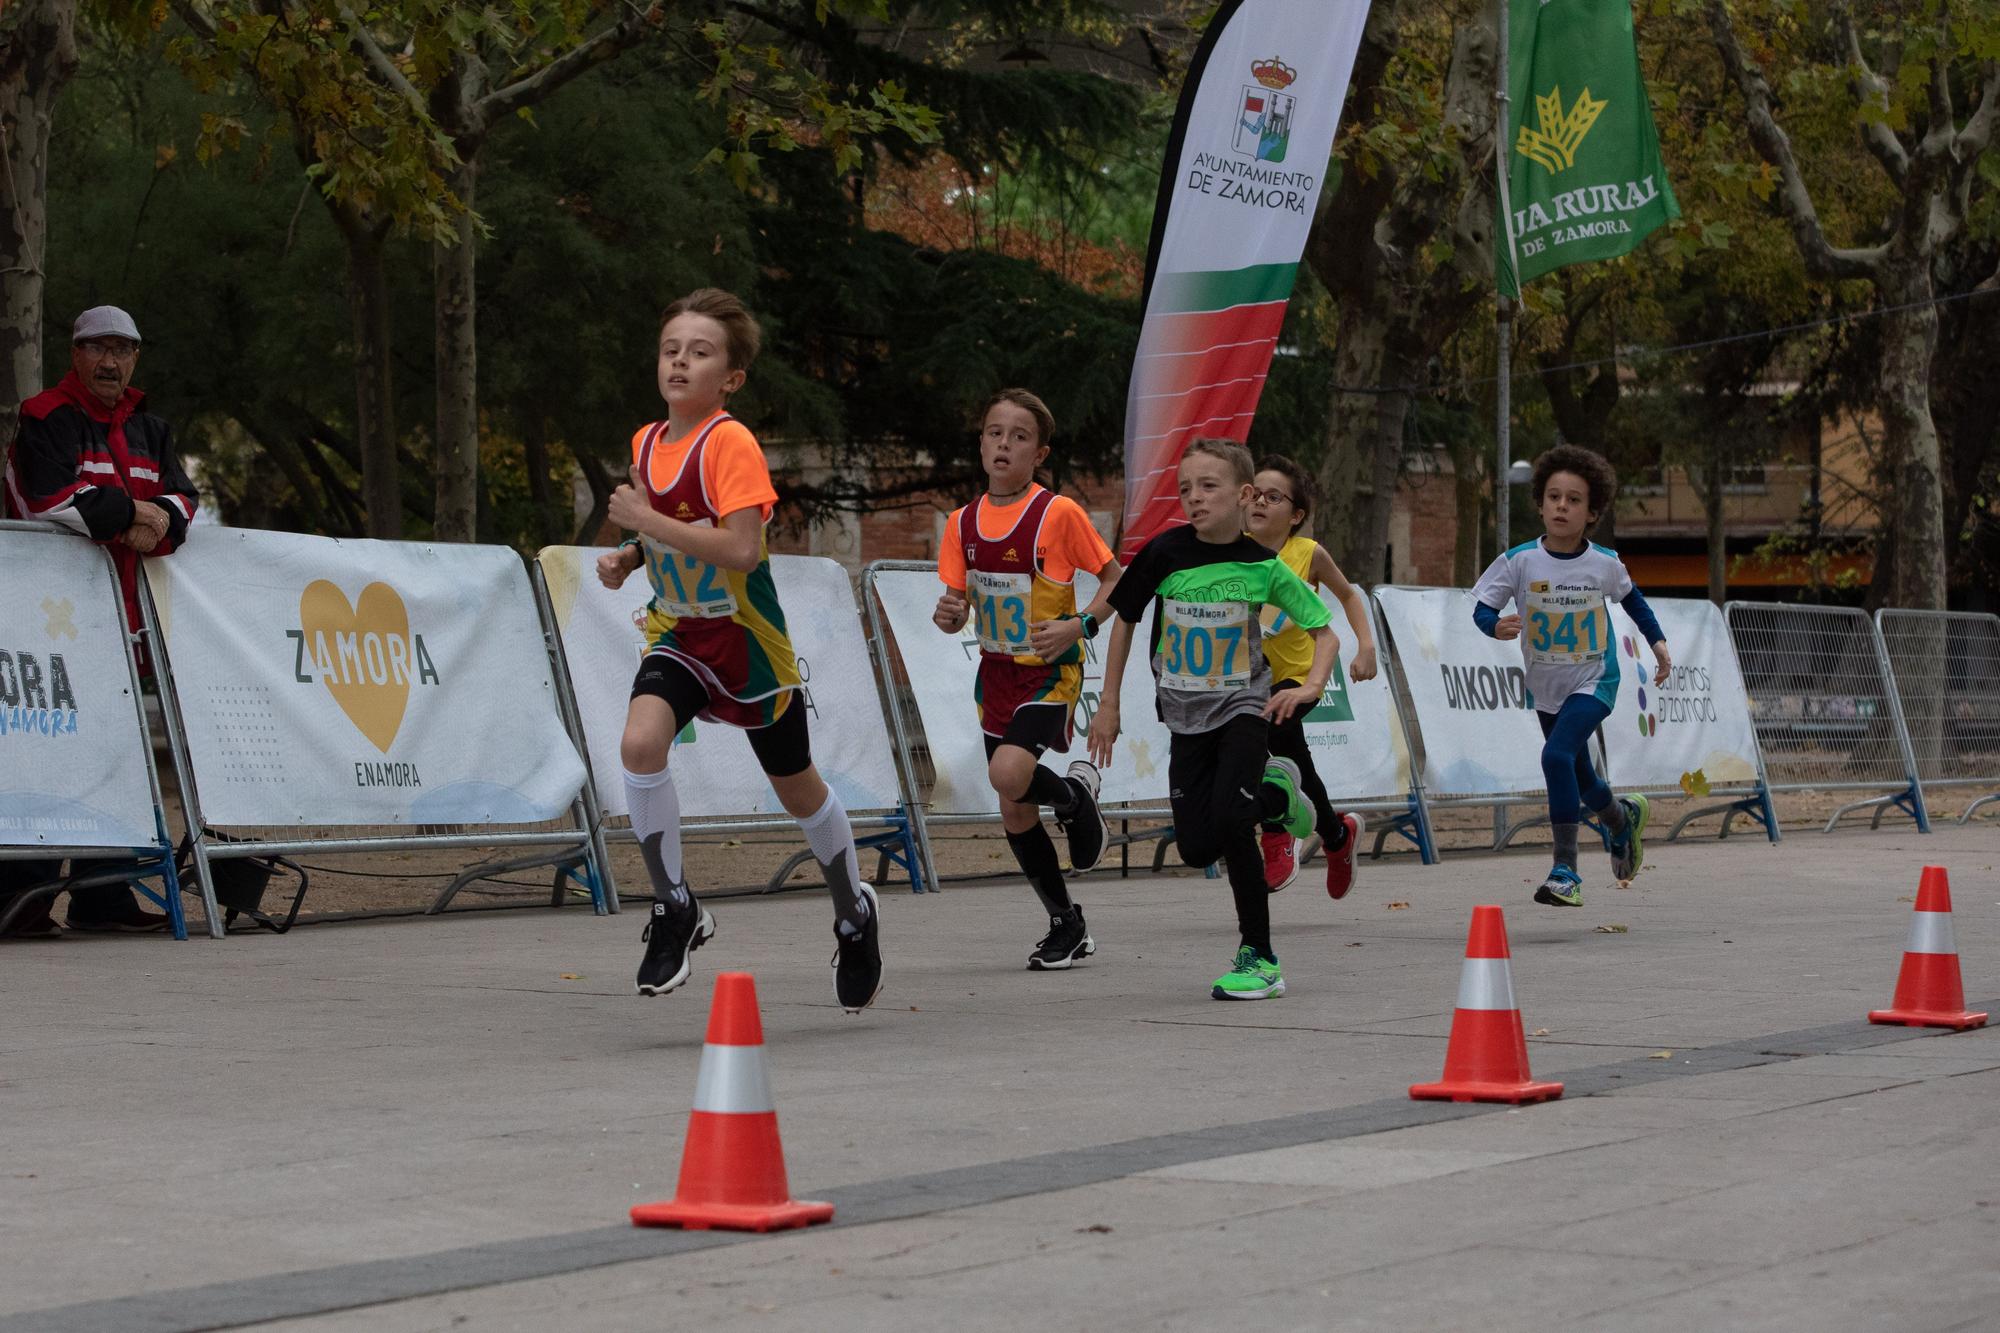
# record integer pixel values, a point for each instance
(1274, 498)
(105, 349)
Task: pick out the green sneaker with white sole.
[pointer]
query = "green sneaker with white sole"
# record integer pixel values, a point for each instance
(1284, 775)
(1253, 977)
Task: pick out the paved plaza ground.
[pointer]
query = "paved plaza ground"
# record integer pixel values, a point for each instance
(440, 1123)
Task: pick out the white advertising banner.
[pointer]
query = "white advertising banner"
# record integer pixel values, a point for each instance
(328, 682)
(1357, 746)
(1694, 732)
(1470, 693)
(72, 755)
(943, 669)
(1239, 189)
(715, 771)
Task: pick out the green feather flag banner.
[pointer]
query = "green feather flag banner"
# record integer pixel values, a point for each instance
(1584, 179)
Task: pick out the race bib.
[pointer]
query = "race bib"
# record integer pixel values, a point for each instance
(1000, 610)
(686, 588)
(1565, 628)
(1204, 645)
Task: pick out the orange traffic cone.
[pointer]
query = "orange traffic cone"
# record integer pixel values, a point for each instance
(733, 1168)
(1929, 992)
(1487, 1060)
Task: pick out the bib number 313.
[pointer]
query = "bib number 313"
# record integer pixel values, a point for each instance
(1000, 610)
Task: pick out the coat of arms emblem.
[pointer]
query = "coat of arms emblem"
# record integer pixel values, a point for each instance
(1264, 118)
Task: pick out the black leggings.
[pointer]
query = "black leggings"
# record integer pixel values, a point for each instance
(1216, 777)
(782, 749)
(1288, 741)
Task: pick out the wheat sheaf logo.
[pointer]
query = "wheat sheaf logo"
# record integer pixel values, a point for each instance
(1554, 143)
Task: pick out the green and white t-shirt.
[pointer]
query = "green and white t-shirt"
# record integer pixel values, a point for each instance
(1207, 648)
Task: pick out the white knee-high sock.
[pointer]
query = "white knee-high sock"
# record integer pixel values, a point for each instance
(656, 819)
(831, 838)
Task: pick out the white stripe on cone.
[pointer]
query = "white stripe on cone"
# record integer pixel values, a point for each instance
(1930, 932)
(1485, 983)
(732, 1081)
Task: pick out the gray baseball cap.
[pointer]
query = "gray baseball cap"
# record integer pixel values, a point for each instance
(104, 321)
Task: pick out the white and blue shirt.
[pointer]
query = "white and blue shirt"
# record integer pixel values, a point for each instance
(1566, 640)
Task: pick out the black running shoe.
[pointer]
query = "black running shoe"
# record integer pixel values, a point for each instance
(1084, 825)
(670, 937)
(1067, 941)
(857, 958)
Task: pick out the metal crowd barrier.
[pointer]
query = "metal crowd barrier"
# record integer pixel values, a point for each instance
(1841, 703)
(1827, 714)
(913, 753)
(894, 835)
(570, 844)
(1944, 665)
(138, 863)
(1408, 816)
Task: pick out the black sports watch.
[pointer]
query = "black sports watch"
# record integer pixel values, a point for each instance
(1089, 624)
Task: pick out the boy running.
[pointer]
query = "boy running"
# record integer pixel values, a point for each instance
(1284, 500)
(1559, 584)
(1008, 562)
(699, 497)
(1206, 582)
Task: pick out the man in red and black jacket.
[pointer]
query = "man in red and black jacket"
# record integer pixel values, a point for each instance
(88, 459)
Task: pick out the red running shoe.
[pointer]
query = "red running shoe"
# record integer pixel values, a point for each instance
(1340, 864)
(1281, 859)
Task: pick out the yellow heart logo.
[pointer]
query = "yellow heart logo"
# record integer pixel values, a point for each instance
(362, 652)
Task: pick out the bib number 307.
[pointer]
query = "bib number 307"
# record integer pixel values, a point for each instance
(1204, 646)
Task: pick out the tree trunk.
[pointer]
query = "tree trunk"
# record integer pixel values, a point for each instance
(1363, 452)
(1909, 336)
(1369, 249)
(550, 521)
(1470, 494)
(37, 55)
(457, 517)
(1713, 499)
(599, 481)
(374, 405)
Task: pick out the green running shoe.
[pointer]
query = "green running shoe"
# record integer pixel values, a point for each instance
(1563, 887)
(1629, 852)
(1254, 977)
(1284, 775)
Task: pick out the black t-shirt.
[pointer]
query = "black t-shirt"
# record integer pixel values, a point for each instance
(1207, 647)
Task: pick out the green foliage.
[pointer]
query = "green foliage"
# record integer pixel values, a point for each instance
(368, 94)
(599, 211)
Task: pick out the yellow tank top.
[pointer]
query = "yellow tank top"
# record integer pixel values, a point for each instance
(1288, 648)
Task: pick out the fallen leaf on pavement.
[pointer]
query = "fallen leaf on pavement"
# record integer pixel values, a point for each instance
(1613, 930)
(1906, 900)
(1354, 944)
(1095, 1228)
(1661, 1055)
(572, 976)
(1539, 1032)
(1397, 907)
